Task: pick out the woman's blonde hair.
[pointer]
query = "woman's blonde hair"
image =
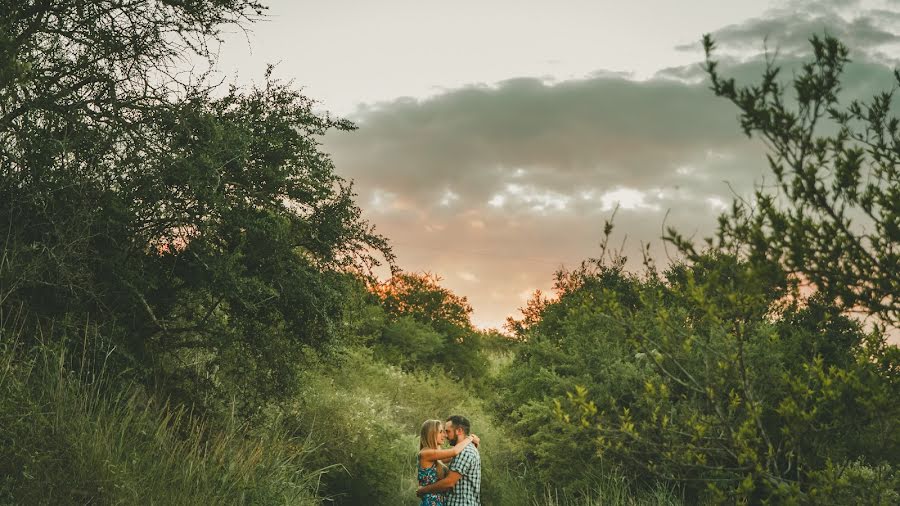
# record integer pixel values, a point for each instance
(428, 434)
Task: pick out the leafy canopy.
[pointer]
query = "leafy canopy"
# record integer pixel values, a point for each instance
(833, 217)
(196, 225)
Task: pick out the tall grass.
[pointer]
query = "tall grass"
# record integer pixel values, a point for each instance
(608, 491)
(65, 440)
(364, 416)
(71, 435)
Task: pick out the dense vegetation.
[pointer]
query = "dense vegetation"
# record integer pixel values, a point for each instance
(188, 313)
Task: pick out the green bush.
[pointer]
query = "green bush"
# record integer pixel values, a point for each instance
(410, 344)
(744, 394)
(419, 313)
(574, 342)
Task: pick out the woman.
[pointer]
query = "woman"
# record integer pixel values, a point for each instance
(431, 469)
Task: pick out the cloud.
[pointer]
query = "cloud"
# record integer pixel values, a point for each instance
(505, 184)
(497, 186)
(787, 30)
(468, 276)
(539, 141)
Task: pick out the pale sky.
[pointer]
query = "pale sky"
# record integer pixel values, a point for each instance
(349, 52)
(496, 137)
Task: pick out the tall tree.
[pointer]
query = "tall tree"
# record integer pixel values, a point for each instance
(758, 392)
(431, 323)
(138, 195)
(833, 218)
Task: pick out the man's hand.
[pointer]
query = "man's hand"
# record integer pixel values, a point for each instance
(446, 484)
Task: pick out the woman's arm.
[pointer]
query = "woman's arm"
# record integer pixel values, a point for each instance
(475, 441)
(429, 455)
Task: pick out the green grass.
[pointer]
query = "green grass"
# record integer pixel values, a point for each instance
(608, 491)
(349, 438)
(63, 440)
(365, 416)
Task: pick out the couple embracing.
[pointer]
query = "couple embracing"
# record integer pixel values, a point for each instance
(459, 482)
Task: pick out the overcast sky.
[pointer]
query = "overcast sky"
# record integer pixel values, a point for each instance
(495, 137)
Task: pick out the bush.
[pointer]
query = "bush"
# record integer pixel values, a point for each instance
(420, 311)
(745, 394)
(410, 344)
(573, 342)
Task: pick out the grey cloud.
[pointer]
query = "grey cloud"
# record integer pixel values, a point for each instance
(603, 133)
(787, 30)
(595, 134)
(668, 137)
(791, 34)
(558, 140)
(862, 77)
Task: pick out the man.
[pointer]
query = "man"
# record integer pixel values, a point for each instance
(464, 477)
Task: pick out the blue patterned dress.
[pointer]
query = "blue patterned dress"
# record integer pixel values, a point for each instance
(427, 476)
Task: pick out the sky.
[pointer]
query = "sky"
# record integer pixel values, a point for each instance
(496, 137)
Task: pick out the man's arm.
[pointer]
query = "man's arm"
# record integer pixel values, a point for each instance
(439, 486)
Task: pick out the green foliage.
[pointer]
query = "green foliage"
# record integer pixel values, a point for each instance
(421, 297)
(364, 417)
(752, 394)
(713, 375)
(197, 225)
(63, 440)
(409, 343)
(575, 341)
(429, 326)
(833, 218)
(857, 483)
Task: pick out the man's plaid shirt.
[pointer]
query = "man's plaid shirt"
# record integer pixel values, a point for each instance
(467, 491)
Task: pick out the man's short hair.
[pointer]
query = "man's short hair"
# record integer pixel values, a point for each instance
(460, 422)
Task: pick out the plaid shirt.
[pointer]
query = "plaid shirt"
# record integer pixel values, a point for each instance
(467, 491)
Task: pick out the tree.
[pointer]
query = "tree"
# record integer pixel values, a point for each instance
(419, 311)
(565, 343)
(421, 297)
(834, 216)
(195, 225)
(759, 392)
(531, 315)
(706, 376)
